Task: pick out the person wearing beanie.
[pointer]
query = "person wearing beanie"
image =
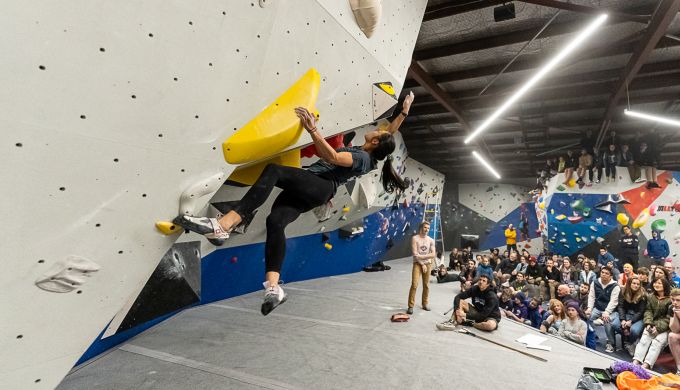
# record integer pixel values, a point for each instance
(657, 248)
(519, 311)
(573, 328)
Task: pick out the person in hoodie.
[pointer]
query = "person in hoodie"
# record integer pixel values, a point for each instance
(505, 302)
(602, 303)
(482, 312)
(534, 314)
(511, 239)
(632, 305)
(657, 248)
(604, 257)
(519, 311)
(519, 284)
(630, 247)
(484, 268)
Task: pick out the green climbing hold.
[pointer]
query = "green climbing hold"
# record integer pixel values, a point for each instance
(560, 188)
(586, 212)
(659, 225)
(578, 204)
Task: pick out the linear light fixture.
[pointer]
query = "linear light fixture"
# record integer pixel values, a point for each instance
(573, 45)
(656, 118)
(486, 164)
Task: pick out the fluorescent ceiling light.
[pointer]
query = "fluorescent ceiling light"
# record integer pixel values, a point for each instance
(486, 164)
(656, 118)
(573, 45)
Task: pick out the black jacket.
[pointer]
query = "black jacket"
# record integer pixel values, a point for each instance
(552, 275)
(486, 302)
(507, 266)
(629, 243)
(632, 311)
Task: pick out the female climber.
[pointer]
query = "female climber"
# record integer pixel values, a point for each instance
(303, 190)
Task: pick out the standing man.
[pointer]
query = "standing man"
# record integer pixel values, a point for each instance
(483, 313)
(511, 238)
(657, 248)
(422, 247)
(629, 245)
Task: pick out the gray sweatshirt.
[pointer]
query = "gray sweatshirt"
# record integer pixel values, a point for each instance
(573, 330)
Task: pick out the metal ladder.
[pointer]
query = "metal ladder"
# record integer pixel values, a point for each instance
(432, 214)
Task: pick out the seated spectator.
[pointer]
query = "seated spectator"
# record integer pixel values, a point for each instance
(672, 275)
(582, 296)
(585, 162)
(438, 260)
(587, 275)
(494, 258)
(605, 257)
(561, 164)
(519, 311)
(443, 275)
(551, 277)
(611, 159)
(455, 260)
(656, 320)
(657, 248)
(534, 314)
(632, 305)
(520, 268)
(568, 273)
(484, 268)
(506, 302)
(554, 321)
(468, 275)
(674, 335)
(563, 294)
(643, 275)
(602, 303)
(519, 284)
(597, 166)
(466, 255)
(659, 273)
(573, 328)
(628, 161)
(570, 164)
(627, 274)
(534, 270)
(615, 271)
(482, 313)
(506, 267)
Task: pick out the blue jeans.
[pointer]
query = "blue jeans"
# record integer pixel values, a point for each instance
(636, 329)
(613, 318)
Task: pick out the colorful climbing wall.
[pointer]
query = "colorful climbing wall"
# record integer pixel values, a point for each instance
(485, 210)
(584, 219)
(113, 110)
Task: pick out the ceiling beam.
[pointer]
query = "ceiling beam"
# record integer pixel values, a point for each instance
(621, 16)
(455, 8)
(658, 25)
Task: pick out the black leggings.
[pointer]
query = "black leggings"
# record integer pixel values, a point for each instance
(302, 191)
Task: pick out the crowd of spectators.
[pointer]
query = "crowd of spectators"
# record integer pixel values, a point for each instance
(637, 307)
(589, 163)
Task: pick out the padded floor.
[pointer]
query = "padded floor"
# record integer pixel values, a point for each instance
(332, 333)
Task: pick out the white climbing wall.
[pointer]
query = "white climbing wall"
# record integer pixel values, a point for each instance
(492, 200)
(112, 109)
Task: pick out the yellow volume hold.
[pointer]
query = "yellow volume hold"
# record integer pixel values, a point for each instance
(168, 228)
(276, 127)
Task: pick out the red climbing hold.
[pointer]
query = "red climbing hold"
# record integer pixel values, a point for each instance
(234, 259)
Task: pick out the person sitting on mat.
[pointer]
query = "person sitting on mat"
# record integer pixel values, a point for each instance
(483, 313)
(303, 190)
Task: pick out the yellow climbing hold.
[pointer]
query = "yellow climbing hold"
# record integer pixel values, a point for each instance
(345, 209)
(276, 127)
(388, 88)
(571, 183)
(328, 246)
(641, 219)
(552, 211)
(248, 175)
(167, 228)
(622, 218)
(541, 205)
(560, 217)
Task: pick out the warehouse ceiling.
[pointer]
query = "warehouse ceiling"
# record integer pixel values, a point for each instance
(458, 77)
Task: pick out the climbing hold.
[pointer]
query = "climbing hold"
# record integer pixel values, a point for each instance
(586, 212)
(599, 240)
(67, 275)
(584, 239)
(593, 228)
(571, 183)
(560, 188)
(551, 241)
(552, 211)
(622, 218)
(367, 14)
(345, 209)
(563, 203)
(641, 219)
(328, 246)
(652, 209)
(642, 194)
(578, 239)
(578, 204)
(249, 174)
(575, 219)
(659, 225)
(563, 240)
(560, 217)
(599, 221)
(167, 228)
(276, 127)
(541, 206)
(234, 259)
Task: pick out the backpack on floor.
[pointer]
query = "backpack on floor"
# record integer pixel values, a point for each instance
(399, 317)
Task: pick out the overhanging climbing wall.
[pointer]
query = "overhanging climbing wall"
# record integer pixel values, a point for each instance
(111, 110)
(585, 219)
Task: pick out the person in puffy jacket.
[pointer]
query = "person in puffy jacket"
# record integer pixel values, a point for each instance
(657, 248)
(656, 320)
(632, 305)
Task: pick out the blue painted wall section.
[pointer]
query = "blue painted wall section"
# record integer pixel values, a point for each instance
(496, 236)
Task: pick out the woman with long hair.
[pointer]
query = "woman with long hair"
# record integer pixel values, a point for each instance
(587, 275)
(557, 315)
(656, 321)
(632, 304)
(303, 190)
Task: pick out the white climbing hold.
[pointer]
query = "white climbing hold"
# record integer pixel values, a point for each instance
(67, 275)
